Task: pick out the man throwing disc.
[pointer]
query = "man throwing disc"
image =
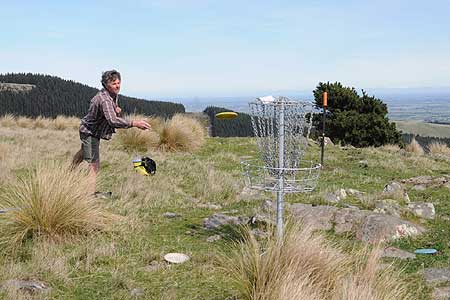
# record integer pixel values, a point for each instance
(101, 121)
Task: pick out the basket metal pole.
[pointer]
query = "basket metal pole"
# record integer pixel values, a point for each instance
(280, 172)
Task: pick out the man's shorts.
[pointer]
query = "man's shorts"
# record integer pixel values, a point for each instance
(91, 147)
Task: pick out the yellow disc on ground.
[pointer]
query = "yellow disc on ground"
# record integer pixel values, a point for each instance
(226, 115)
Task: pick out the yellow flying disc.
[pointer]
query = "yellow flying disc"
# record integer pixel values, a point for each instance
(226, 115)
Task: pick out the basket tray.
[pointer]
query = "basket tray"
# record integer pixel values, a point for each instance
(294, 180)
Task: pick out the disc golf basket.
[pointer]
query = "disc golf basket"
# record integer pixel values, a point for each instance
(281, 127)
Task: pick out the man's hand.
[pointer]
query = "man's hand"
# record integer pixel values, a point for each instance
(141, 124)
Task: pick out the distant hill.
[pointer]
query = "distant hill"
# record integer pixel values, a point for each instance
(35, 95)
(424, 129)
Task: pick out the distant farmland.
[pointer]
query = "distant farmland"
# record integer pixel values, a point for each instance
(424, 129)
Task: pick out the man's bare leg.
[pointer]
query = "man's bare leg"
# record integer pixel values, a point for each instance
(93, 170)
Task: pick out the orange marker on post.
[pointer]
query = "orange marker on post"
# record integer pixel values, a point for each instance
(325, 99)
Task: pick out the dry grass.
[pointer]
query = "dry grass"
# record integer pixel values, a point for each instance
(305, 266)
(8, 120)
(391, 148)
(50, 201)
(41, 122)
(437, 148)
(24, 122)
(3, 151)
(134, 139)
(414, 147)
(61, 123)
(181, 133)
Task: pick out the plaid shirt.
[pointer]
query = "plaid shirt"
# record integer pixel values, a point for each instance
(101, 119)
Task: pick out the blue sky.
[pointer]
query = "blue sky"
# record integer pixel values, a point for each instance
(201, 47)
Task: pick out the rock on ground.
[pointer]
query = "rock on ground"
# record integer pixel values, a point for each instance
(422, 210)
(436, 275)
(393, 252)
(218, 220)
(368, 226)
(441, 293)
(380, 228)
(29, 286)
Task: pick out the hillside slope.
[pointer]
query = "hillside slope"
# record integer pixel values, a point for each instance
(424, 129)
(53, 96)
(129, 260)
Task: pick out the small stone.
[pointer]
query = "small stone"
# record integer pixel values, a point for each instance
(137, 292)
(260, 219)
(248, 193)
(396, 190)
(218, 220)
(419, 187)
(392, 187)
(363, 163)
(154, 266)
(29, 286)
(423, 210)
(436, 275)
(445, 217)
(331, 198)
(388, 207)
(355, 193)
(214, 238)
(393, 252)
(170, 215)
(258, 233)
(441, 293)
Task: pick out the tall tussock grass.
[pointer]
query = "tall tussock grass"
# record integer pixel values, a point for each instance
(24, 122)
(438, 148)
(414, 147)
(8, 120)
(180, 133)
(303, 265)
(51, 201)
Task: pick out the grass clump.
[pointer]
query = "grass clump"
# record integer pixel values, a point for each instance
(41, 122)
(8, 120)
(24, 122)
(438, 148)
(181, 133)
(134, 139)
(50, 201)
(414, 147)
(303, 265)
(61, 123)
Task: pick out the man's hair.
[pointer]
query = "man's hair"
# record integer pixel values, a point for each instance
(108, 76)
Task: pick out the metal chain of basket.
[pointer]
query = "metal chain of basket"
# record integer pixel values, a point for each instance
(281, 127)
(266, 124)
(299, 175)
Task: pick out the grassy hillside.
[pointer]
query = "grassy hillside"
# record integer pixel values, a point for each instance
(127, 261)
(424, 129)
(36, 95)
